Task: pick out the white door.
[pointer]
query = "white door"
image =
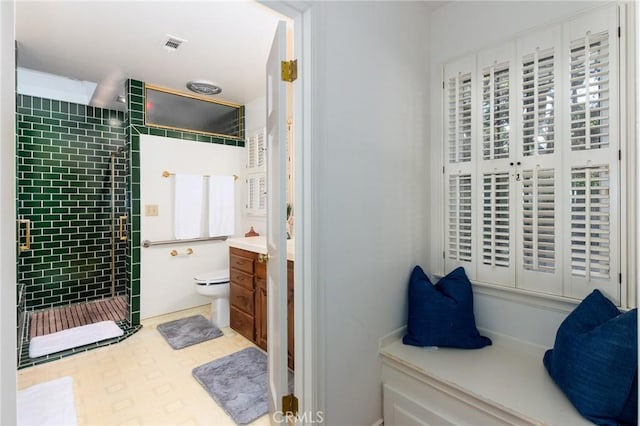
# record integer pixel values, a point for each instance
(276, 210)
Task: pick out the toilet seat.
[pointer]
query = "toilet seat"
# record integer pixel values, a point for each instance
(218, 276)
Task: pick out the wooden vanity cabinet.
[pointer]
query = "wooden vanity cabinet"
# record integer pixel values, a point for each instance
(241, 291)
(261, 309)
(248, 298)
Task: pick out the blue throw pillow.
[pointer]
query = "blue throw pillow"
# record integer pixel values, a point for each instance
(594, 361)
(442, 314)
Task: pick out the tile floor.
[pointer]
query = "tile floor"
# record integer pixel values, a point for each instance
(141, 380)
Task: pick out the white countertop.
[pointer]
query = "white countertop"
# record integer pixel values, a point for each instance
(258, 245)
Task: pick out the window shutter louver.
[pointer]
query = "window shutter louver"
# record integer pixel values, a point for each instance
(256, 193)
(590, 222)
(538, 220)
(251, 193)
(538, 99)
(540, 161)
(460, 120)
(589, 97)
(460, 125)
(460, 219)
(495, 112)
(494, 192)
(260, 150)
(256, 173)
(262, 193)
(496, 230)
(252, 158)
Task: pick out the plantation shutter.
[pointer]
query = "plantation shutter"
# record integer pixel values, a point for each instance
(256, 173)
(459, 99)
(460, 218)
(256, 194)
(538, 163)
(591, 155)
(260, 148)
(495, 194)
(255, 151)
(531, 160)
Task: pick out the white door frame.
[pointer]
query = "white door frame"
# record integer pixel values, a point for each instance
(309, 340)
(8, 357)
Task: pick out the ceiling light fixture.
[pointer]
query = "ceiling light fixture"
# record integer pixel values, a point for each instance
(203, 88)
(121, 99)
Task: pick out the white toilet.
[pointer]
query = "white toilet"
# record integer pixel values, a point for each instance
(215, 284)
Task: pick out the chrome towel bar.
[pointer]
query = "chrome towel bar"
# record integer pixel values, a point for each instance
(147, 243)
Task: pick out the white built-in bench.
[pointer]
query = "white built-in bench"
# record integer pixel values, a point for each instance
(505, 383)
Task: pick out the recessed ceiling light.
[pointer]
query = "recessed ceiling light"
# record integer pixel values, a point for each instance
(203, 87)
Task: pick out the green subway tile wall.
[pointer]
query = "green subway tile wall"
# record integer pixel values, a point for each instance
(64, 189)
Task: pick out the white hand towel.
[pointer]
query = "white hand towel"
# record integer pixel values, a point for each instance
(221, 206)
(188, 206)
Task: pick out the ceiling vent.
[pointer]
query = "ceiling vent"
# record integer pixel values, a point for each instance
(172, 43)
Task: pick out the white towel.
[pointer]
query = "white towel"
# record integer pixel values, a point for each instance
(221, 206)
(49, 403)
(73, 338)
(188, 206)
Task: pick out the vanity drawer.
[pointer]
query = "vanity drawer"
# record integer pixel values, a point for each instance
(241, 263)
(242, 323)
(241, 298)
(240, 278)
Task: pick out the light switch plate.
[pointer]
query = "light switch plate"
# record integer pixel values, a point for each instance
(151, 210)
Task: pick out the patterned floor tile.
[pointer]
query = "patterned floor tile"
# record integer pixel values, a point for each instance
(142, 380)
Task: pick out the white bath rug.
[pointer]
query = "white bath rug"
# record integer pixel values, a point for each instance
(73, 338)
(47, 404)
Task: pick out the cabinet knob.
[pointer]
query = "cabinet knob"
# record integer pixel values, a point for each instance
(263, 258)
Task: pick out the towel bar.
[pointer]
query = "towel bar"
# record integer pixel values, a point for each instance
(166, 174)
(147, 243)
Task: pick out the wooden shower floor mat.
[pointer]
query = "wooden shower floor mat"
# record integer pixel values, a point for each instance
(64, 317)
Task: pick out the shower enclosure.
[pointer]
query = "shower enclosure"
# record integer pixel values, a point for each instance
(72, 168)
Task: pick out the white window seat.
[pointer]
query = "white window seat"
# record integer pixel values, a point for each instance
(505, 383)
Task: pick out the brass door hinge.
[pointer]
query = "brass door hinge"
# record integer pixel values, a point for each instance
(289, 70)
(290, 405)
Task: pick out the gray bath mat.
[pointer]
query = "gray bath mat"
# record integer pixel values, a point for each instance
(238, 382)
(188, 331)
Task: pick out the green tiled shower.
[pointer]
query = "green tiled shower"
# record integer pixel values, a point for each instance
(64, 189)
(63, 170)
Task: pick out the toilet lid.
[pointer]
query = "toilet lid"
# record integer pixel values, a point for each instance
(216, 276)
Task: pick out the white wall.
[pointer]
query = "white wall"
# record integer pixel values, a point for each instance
(8, 358)
(460, 28)
(167, 281)
(370, 176)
